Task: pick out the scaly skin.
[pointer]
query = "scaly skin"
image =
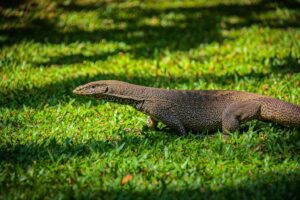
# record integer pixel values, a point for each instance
(195, 110)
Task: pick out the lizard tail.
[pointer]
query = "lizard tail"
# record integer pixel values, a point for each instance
(280, 112)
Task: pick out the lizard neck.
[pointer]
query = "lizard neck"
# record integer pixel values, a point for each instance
(122, 99)
(135, 101)
(129, 94)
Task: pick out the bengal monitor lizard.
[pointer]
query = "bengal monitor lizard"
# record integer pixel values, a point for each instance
(195, 110)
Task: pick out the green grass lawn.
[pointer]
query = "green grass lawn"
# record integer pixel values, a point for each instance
(56, 145)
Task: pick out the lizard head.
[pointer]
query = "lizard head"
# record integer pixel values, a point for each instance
(111, 90)
(103, 89)
(91, 89)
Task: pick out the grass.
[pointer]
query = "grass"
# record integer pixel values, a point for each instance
(56, 145)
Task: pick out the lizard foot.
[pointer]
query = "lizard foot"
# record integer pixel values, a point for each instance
(152, 123)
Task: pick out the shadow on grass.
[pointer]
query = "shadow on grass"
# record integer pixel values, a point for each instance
(51, 150)
(287, 64)
(62, 151)
(271, 185)
(26, 154)
(147, 29)
(182, 34)
(76, 59)
(12, 3)
(142, 39)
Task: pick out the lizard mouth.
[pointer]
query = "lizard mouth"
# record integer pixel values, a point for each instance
(90, 90)
(75, 91)
(80, 91)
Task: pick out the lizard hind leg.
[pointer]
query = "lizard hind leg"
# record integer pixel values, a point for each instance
(238, 113)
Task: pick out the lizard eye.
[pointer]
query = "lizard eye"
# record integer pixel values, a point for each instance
(93, 87)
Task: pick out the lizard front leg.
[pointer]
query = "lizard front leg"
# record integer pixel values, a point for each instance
(173, 123)
(152, 123)
(169, 119)
(163, 114)
(238, 113)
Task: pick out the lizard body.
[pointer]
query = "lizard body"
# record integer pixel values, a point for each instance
(195, 110)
